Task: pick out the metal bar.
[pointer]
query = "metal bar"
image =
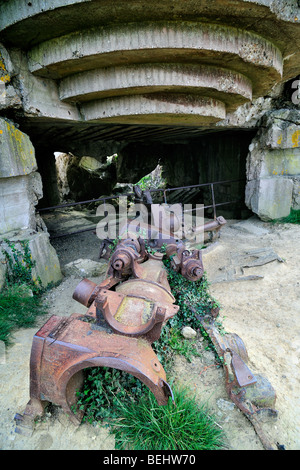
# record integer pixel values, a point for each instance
(94, 228)
(213, 200)
(73, 233)
(196, 185)
(70, 204)
(208, 207)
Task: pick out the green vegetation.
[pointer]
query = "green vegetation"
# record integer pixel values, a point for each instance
(153, 180)
(146, 426)
(20, 299)
(292, 218)
(18, 310)
(20, 265)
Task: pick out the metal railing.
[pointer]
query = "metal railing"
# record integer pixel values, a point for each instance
(214, 205)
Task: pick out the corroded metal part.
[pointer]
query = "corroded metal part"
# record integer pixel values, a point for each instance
(122, 321)
(62, 348)
(189, 264)
(252, 394)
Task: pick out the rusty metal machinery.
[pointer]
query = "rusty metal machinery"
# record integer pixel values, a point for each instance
(125, 315)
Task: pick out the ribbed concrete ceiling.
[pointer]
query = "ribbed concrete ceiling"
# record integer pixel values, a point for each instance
(152, 63)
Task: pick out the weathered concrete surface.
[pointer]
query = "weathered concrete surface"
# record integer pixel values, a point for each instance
(17, 156)
(47, 266)
(9, 97)
(155, 108)
(18, 198)
(296, 194)
(273, 167)
(40, 97)
(20, 183)
(270, 198)
(228, 51)
(167, 42)
(216, 82)
(20, 191)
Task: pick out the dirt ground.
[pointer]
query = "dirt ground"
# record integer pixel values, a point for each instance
(263, 311)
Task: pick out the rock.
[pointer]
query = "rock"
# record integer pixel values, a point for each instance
(252, 226)
(262, 197)
(273, 166)
(17, 156)
(188, 332)
(85, 268)
(225, 405)
(18, 197)
(47, 266)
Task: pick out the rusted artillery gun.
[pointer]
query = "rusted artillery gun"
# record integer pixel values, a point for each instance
(125, 315)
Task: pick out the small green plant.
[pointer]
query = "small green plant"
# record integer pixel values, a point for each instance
(20, 265)
(292, 218)
(172, 342)
(102, 389)
(153, 180)
(144, 425)
(18, 310)
(20, 299)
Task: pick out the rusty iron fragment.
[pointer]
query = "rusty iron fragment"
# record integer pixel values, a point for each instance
(251, 393)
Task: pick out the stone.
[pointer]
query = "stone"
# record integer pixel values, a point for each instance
(262, 393)
(225, 405)
(47, 266)
(188, 332)
(251, 226)
(18, 198)
(82, 268)
(270, 198)
(17, 156)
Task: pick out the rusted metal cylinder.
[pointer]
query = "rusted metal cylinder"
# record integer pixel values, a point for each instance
(84, 292)
(210, 226)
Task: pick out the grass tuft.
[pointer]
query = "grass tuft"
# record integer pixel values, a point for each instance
(184, 426)
(18, 310)
(292, 218)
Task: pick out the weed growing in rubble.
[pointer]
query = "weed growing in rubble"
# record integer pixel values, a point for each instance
(20, 300)
(18, 309)
(195, 301)
(20, 264)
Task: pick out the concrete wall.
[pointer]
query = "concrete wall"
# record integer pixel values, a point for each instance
(273, 166)
(20, 191)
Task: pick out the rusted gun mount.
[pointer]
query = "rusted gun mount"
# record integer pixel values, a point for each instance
(122, 321)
